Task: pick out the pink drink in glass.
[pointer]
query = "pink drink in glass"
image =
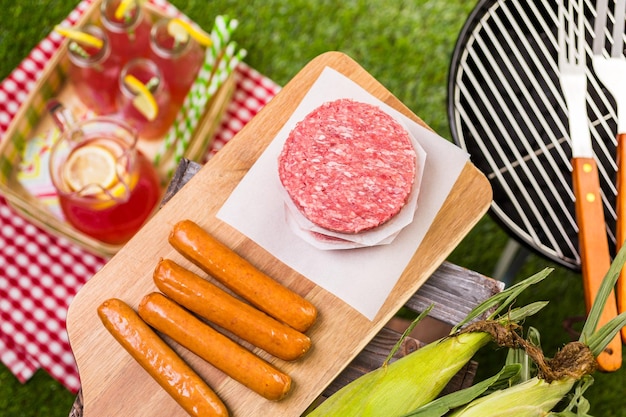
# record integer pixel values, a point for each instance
(94, 73)
(180, 62)
(130, 35)
(115, 222)
(110, 213)
(149, 74)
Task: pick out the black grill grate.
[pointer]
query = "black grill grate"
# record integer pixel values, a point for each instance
(506, 109)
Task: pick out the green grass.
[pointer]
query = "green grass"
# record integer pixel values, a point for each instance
(407, 46)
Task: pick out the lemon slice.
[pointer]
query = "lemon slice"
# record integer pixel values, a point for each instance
(123, 7)
(144, 100)
(79, 36)
(90, 165)
(181, 30)
(123, 187)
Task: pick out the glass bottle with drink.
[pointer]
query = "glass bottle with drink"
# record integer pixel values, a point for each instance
(94, 71)
(107, 188)
(127, 27)
(145, 101)
(179, 56)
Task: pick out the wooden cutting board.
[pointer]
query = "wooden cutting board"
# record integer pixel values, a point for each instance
(114, 384)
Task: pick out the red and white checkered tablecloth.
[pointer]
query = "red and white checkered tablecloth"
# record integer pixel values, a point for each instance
(40, 273)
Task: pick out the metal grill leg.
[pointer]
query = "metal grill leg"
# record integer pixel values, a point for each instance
(511, 260)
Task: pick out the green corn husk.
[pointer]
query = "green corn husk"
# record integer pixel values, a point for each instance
(407, 383)
(579, 406)
(418, 378)
(443, 405)
(537, 397)
(532, 398)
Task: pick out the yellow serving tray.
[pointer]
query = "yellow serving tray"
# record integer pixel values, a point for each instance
(32, 120)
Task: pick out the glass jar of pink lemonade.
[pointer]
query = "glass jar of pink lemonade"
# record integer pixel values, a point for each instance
(129, 34)
(179, 61)
(107, 188)
(94, 73)
(149, 74)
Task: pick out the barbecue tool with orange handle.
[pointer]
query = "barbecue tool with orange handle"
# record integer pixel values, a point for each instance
(611, 69)
(592, 234)
(620, 233)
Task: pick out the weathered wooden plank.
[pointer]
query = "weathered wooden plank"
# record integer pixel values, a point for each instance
(454, 291)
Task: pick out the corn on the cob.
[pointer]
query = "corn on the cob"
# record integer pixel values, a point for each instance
(443, 405)
(572, 366)
(416, 379)
(532, 398)
(408, 383)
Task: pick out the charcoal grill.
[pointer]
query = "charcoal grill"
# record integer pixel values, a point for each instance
(506, 108)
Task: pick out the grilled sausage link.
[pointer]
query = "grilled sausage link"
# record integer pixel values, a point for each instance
(231, 358)
(241, 277)
(160, 361)
(217, 306)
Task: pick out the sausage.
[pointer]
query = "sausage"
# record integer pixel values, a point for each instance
(219, 307)
(235, 361)
(160, 360)
(241, 277)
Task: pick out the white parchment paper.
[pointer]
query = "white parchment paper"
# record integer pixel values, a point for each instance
(363, 277)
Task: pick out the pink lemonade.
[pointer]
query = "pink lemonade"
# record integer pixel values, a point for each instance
(107, 188)
(114, 220)
(179, 62)
(149, 74)
(129, 35)
(94, 73)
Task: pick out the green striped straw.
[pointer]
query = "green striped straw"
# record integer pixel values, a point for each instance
(211, 76)
(226, 67)
(180, 124)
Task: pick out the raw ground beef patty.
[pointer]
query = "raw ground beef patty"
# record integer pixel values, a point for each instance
(348, 166)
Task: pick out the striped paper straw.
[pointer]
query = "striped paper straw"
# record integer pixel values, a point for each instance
(179, 135)
(226, 67)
